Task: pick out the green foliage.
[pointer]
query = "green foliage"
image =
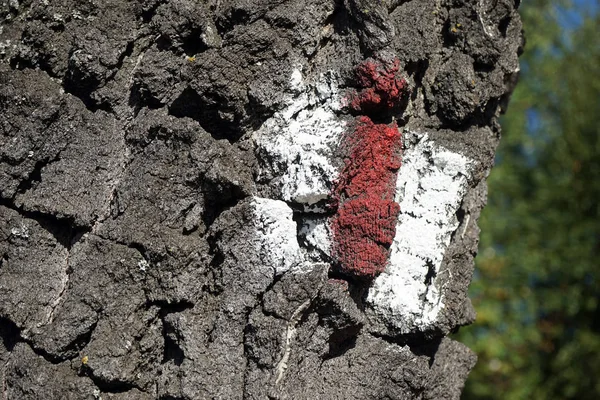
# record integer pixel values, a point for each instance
(537, 288)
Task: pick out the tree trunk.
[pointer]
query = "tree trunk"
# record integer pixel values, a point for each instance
(235, 199)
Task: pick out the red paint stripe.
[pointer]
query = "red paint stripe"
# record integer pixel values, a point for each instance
(365, 223)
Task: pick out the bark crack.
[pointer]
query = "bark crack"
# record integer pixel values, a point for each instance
(60, 298)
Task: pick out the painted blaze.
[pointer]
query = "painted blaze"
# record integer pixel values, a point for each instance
(365, 223)
(296, 149)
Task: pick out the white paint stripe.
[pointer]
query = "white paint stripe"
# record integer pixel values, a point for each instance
(276, 240)
(430, 187)
(298, 142)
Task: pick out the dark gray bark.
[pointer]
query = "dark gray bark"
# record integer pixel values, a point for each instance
(135, 262)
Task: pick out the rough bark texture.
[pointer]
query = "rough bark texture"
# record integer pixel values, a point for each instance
(164, 166)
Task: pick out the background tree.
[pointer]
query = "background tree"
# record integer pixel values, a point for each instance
(536, 288)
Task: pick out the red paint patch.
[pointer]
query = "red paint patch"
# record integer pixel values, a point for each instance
(381, 87)
(365, 223)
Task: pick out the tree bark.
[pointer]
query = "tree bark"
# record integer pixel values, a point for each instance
(252, 199)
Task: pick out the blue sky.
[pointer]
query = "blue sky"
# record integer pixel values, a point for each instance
(573, 17)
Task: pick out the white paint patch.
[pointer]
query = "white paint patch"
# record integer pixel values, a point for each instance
(296, 80)
(276, 239)
(317, 233)
(296, 145)
(430, 187)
